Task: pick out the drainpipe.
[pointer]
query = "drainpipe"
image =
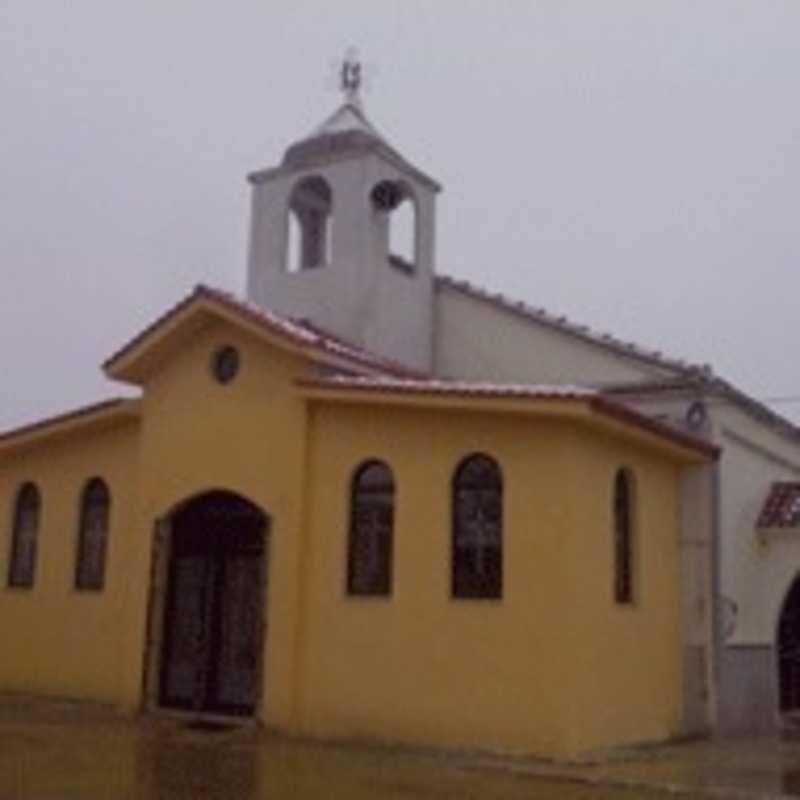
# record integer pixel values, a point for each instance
(716, 600)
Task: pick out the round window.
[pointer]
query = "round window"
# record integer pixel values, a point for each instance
(225, 364)
(386, 196)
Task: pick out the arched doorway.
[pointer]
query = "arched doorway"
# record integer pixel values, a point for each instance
(214, 606)
(789, 650)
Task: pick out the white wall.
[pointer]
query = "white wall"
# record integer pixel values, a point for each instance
(755, 573)
(358, 296)
(476, 340)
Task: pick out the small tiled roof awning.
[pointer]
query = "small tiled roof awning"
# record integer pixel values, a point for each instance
(781, 509)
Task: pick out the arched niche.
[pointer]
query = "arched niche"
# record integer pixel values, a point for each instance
(309, 224)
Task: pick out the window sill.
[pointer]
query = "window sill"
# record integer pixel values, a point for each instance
(466, 599)
(401, 265)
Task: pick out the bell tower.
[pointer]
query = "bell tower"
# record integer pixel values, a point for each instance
(342, 234)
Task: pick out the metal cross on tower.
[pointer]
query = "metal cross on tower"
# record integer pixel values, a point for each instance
(350, 77)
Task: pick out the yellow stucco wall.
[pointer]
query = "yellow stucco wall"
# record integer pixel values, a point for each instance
(194, 435)
(247, 437)
(552, 668)
(57, 640)
(624, 661)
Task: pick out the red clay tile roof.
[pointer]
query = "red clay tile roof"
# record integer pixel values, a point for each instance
(298, 332)
(542, 316)
(699, 375)
(596, 401)
(710, 385)
(781, 509)
(66, 416)
(454, 387)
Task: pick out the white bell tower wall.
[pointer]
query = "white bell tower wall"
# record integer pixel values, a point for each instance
(356, 289)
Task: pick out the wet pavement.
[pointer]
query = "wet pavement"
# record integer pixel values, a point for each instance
(743, 769)
(71, 751)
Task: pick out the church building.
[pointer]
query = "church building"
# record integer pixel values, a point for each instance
(316, 517)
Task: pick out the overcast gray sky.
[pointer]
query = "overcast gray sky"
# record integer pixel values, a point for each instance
(632, 164)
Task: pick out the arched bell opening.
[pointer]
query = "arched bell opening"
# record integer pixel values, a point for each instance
(395, 206)
(788, 650)
(208, 607)
(310, 223)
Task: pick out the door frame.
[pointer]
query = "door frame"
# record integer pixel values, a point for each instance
(793, 588)
(158, 593)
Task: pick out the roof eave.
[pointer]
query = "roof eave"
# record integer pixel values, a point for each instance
(135, 360)
(561, 324)
(687, 376)
(134, 363)
(685, 441)
(98, 415)
(613, 417)
(712, 385)
(267, 173)
(322, 389)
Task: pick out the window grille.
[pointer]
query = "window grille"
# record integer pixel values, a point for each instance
(371, 530)
(22, 566)
(477, 558)
(623, 539)
(93, 536)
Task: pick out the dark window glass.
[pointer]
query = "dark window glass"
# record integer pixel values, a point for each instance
(623, 538)
(478, 529)
(371, 531)
(93, 536)
(22, 566)
(225, 364)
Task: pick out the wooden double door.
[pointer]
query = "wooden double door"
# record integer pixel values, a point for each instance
(215, 609)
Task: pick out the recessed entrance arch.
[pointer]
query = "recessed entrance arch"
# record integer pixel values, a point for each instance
(213, 606)
(789, 650)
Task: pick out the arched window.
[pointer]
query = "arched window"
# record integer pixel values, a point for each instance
(395, 207)
(27, 510)
(369, 562)
(310, 222)
(478, 528)
(92, 536)
(623, 538)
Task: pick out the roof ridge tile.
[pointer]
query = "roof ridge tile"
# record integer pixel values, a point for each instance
(66, 416)
(596, 400)
(562, 322)
(276, 323)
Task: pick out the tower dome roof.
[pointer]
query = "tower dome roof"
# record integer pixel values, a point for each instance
(346, 130)
(345, 133)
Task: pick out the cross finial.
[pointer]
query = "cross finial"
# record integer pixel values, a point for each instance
(350, 77)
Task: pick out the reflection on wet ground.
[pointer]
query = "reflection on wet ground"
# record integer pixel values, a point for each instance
(78, 752)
